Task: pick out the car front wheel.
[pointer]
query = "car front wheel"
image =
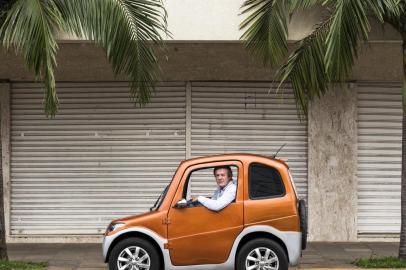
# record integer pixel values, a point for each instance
(262, 254)
(134, 254)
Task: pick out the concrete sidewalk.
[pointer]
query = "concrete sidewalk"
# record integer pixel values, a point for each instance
(89, 257)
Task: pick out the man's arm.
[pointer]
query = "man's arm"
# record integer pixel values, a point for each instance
(214, 196)
(220, 203)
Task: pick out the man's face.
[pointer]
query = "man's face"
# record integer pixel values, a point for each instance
(222, 177)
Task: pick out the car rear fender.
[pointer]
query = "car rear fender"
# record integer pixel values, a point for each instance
(292, 240)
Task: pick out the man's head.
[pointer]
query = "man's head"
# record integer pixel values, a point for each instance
(223, 175)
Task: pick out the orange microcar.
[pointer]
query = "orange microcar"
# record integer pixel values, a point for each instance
(263, 227)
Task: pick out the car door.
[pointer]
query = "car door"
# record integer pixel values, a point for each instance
(268, 200)
(197, 235)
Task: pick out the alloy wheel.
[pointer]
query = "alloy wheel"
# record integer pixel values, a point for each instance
(133, 258)
(261, 258)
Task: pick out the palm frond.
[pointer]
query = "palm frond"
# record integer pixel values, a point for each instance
(383, 8)
(305, 68)
(28, 28)
(349, 26)
(388, 11)
(296, 5)
(5, 4)
(265, 29)
(125, 29)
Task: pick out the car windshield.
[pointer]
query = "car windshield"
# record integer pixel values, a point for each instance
(159, 200)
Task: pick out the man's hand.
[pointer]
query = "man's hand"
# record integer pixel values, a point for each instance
(194, 198)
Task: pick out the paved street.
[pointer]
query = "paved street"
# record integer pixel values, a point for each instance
(88, 256)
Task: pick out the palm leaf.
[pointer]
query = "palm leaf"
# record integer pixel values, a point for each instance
(125, 29)
(28, 27)
(382, 8)
(297, 5)
(305, 68)
(349, 25)
(388, 11)
(266, 29)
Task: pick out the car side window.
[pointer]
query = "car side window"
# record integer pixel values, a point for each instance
(202, 182)
(264, 182)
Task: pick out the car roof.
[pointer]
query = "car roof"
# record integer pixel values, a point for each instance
(233, 156)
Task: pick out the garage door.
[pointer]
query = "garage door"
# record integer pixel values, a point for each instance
(379, 159)
(249, 118)
(100, 158)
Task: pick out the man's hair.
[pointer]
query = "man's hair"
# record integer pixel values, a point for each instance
(228, 168)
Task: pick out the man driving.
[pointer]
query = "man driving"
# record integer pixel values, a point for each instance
(225, 192)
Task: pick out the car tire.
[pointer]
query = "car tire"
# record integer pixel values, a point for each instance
(248, 255)
(143, 253)
(303, 222)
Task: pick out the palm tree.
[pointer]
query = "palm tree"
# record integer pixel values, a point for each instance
(126, 29)
(327, 54)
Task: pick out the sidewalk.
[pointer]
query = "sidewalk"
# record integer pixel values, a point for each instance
(340, 255)
(89, 257)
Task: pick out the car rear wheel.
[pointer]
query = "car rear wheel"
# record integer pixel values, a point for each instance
(262, 254)
(134, 254)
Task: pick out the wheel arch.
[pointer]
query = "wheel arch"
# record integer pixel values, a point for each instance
(136, 234)
(259, 234)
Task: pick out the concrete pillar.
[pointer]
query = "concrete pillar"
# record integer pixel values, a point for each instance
(332, 186)
(5, 155)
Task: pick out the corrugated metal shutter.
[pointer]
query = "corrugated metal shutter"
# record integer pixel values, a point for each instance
(244, 117)
(379, 159)
(100, 158)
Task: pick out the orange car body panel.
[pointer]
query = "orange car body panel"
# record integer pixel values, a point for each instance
(206, 237)
(153, 221)
(200, 236)
(213, 231)
(280, 213)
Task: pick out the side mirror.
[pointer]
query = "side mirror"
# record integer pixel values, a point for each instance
(181, 204)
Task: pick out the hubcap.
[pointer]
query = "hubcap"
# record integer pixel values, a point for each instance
(133, 258)
(262, 258)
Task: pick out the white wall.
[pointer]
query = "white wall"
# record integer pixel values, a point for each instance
(203, 19)
(219, 20)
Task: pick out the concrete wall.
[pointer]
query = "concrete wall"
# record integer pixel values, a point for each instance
(5, 154)
(332, 166)
(191, 61)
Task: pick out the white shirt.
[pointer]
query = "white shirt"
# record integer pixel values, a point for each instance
(221, 197)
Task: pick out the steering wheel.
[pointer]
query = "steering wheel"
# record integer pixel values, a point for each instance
(191, 203)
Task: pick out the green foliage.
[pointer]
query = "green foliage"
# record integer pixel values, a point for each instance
(266, 29)
(28, 28)
(382, 8)
(17, 265)
(349, 25)
(266, 26)
(296, 5)
(328, 54)
(313, 80)
(380, 262)
(126, 29)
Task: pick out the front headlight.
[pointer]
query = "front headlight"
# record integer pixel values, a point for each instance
(113, 227)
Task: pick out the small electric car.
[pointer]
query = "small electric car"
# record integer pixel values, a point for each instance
(265, 227)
